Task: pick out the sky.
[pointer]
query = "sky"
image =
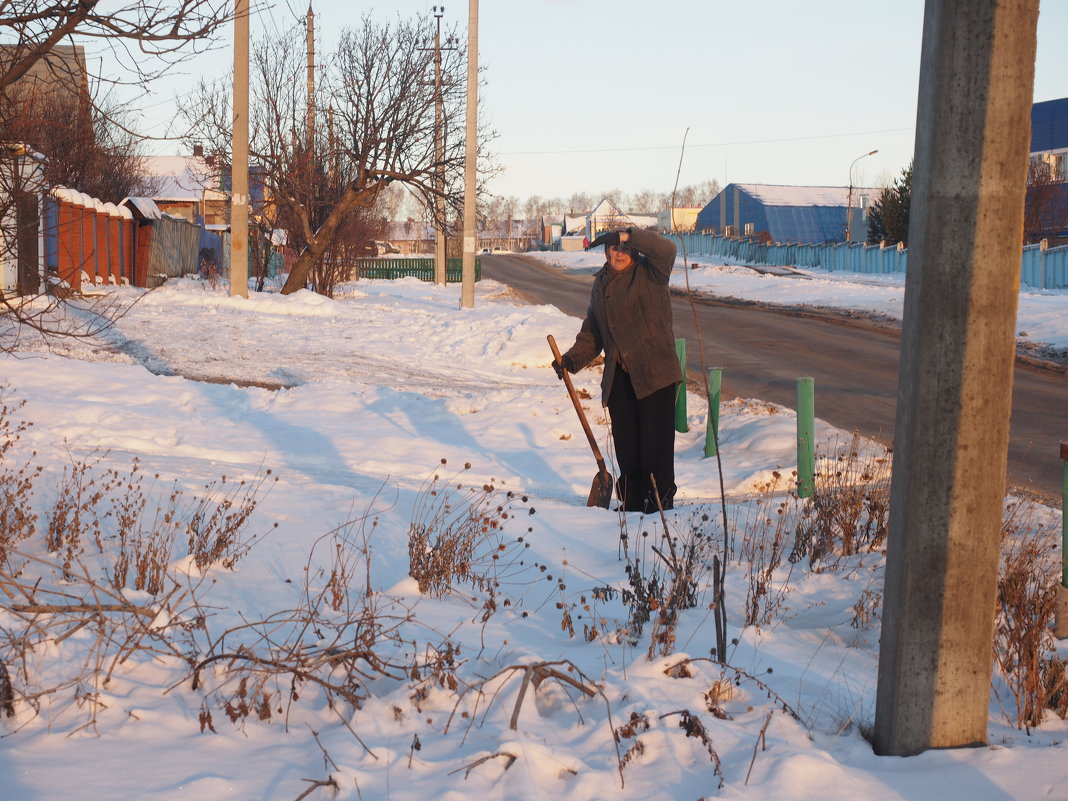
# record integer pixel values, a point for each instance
(592, 95)
(354, 421)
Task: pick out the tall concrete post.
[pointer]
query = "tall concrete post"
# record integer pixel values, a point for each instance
(951, 434)
(467, 282)
(239, 157)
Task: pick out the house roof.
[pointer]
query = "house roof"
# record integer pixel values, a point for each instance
(181, 178)
(777, 195)
(1049, 125)
(406, 230)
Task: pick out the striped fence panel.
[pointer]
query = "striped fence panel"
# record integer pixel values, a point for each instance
(1040, 268)
(423, 269)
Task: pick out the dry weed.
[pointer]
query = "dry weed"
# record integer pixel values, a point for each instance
(848, 510)
(1024, 647)
(456, 537)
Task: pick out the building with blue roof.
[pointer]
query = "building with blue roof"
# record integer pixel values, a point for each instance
(803, 214)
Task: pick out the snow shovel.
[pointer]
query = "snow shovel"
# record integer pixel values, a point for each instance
(601, 491)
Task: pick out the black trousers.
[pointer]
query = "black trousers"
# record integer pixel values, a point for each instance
(644, 434)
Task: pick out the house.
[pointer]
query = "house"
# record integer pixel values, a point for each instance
(189, 187)
(606, 216)
(412, 236)
(802, 214)
(1046, 212)
(1049, 136)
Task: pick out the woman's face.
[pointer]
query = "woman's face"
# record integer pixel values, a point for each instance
(619, 259)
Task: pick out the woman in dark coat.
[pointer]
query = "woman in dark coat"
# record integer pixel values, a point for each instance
(629, 319)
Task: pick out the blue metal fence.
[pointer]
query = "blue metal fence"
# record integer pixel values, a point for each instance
(1040, 268)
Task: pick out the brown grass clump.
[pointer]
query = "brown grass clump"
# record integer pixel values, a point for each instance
(1024, 648)
(456, 535)
(848, 510)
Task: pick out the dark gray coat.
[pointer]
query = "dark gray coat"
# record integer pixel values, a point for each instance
(629, 318)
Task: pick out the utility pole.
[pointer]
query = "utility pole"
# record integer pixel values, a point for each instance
(954, 399)
(467, 289)
(310, 19)
(440, 262)
(849, 201)
(239, 157)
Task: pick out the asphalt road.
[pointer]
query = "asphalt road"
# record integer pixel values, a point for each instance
(855, 366)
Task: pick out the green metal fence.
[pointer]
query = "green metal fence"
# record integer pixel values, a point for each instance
(423, 269)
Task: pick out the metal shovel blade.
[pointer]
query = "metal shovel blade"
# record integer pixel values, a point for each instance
(601, 491)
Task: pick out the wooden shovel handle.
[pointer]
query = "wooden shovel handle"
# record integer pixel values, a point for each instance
(578, 406)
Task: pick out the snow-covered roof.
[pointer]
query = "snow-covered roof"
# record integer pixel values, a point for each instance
(410, 229)
(181, 178)
(145, 206)
(774, 195)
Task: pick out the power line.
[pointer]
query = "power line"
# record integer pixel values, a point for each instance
(712, 144)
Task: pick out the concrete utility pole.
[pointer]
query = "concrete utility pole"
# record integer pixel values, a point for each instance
(954, 390)
(439, 155)
(310, 20)
(239, 157)
(467, 286)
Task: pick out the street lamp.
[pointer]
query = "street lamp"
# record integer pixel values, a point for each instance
(849, 201)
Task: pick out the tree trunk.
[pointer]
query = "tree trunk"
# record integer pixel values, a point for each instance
(351, 198)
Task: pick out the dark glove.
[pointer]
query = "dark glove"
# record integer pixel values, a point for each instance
(608, 238)
(565, 363)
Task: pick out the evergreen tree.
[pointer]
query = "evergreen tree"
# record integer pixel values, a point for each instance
(888, 218)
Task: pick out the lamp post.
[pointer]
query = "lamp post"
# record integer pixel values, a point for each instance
(849, 201)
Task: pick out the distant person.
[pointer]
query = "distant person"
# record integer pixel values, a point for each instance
(629, 319)
(585, 243)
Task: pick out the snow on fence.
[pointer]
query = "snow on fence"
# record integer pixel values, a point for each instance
(85, 238)
(1040, 267)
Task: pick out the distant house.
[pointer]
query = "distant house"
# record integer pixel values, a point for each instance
(1049, 136)
(606, 216)
(412, 237)
(1046, 213)
(188, 187)
(803, 214)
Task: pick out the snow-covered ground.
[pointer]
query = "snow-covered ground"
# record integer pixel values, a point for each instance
(353, 404)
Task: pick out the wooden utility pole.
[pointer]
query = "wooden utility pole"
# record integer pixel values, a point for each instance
(955, 386)
(467, 287)
(239, 157)
(310, 19)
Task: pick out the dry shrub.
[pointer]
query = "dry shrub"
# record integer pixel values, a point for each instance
(1024, 647)
(763, 536)
(456, 536)
(77, 515)
(215, 520)
(848, 510)
(17, 521)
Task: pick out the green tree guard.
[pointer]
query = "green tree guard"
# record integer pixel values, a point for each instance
(806, 442)
(680, 397)
(714, 385)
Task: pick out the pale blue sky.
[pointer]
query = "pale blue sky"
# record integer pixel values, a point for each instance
(591, 95)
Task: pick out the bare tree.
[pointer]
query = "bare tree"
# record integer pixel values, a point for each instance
(1046, 204)
(144, 39)
(163, 30)
(378, 85)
